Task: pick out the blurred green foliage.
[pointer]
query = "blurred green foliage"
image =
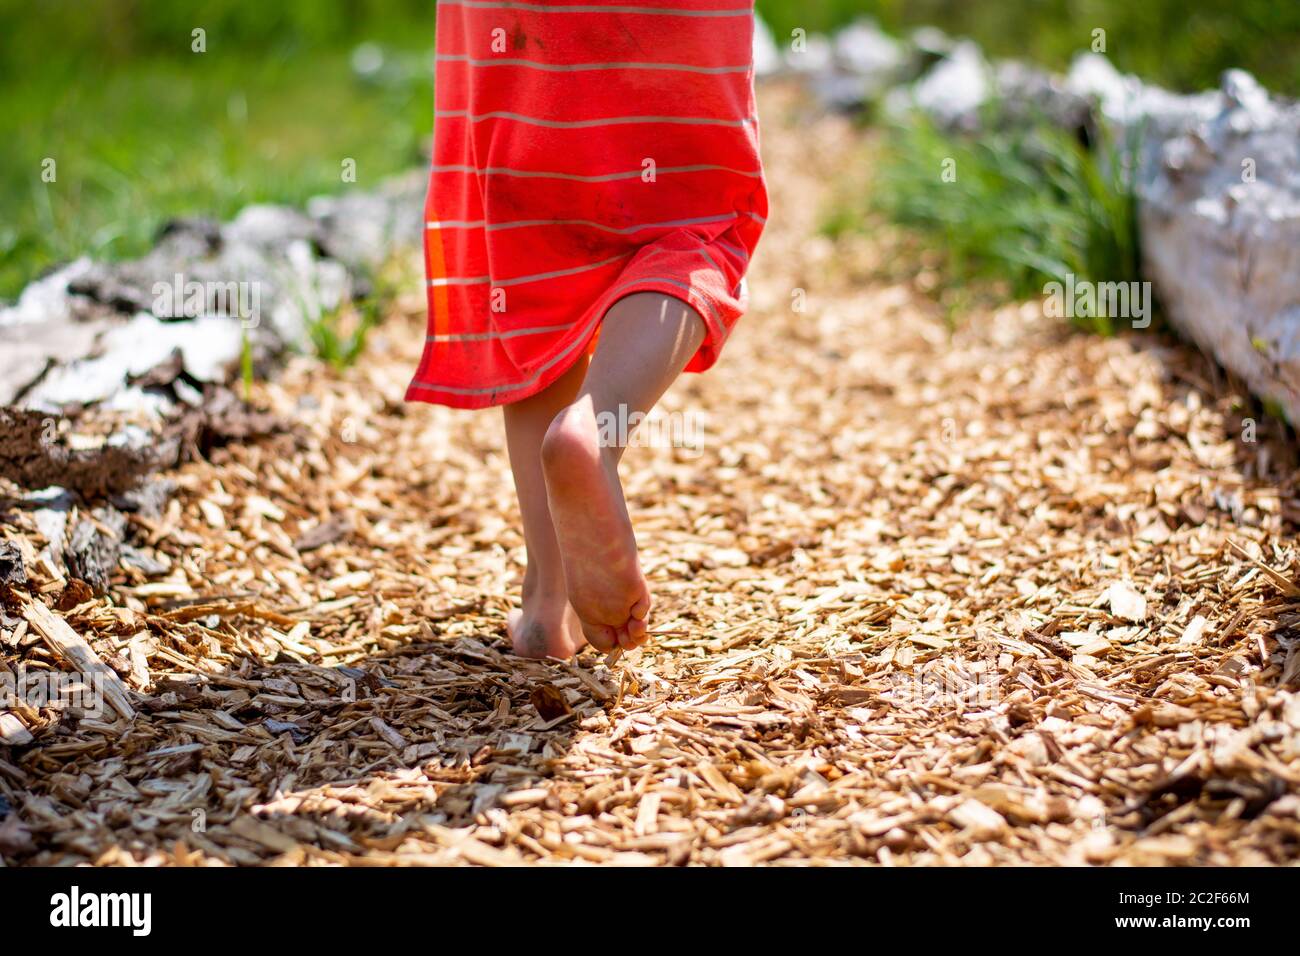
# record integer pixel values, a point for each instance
(114, 32)
(143, 129)
(1027, 206)
(1183, 44)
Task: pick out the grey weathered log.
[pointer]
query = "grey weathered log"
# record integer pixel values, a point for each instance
(361, 229)
(47, 325)
(210, 348)
(1217, 183)
(952, 92)
(845, 72)
(1220, 218)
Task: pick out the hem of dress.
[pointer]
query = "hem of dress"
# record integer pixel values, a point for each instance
(715, 334)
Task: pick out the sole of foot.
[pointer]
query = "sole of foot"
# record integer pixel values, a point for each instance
(594, 532)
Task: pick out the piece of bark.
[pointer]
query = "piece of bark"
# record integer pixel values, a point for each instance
(1058, 648)
(550, 701)
(12, 572)
(388, 733)
(149, 500)
(148, 563)
(93, 555)
(327, 532)
(73, 647)
(1291, 669)
(15, 837)
(76, 592)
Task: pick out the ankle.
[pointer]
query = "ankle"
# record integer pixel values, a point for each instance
(544, 588)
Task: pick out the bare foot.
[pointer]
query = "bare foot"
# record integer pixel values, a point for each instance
(549, 629)
(594, 532)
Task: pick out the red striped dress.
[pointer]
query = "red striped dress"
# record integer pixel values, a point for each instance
(582, 152)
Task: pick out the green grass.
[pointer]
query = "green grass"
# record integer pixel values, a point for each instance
(339, 337)
(205, 135)
(1025, 207)
(99, 32)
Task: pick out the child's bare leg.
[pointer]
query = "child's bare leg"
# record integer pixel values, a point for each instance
(645, 342)
(547, 625)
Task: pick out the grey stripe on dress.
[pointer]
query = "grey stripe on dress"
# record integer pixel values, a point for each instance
(521, 280)
(599, 178)
(618, 231)
(486, 336)
(591, 8)
(588, 124)
(587, 67)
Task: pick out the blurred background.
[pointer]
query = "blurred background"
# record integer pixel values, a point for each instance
(144, 129)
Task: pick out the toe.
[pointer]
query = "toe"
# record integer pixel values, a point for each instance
(641, 609)
(600, 636)
(636, 630)
(625, 639)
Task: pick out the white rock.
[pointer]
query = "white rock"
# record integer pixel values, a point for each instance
(45, 300)
(1129, 103)
(1093, 75)
(816, 56)
(268, 225)
(863, 48)
(932, 41)
(210, 348)
(767, 58)
(955, 89)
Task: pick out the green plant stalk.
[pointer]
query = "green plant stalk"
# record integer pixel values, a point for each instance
(246, 363)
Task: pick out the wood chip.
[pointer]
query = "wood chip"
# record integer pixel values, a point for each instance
(72, 647)
(12, 731)
(1126, 602)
